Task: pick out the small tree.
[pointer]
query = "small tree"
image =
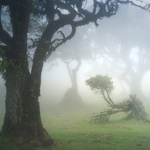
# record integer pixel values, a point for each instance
(133, 106)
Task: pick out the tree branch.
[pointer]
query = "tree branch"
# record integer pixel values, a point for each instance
(108, 102)
(146, 7)
(72, 12)
(112, 103)
(106, 9)
(60, 41)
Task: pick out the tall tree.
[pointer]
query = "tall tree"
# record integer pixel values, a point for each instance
(72, 54)
(71, 57)
(22, 117)
(71, 96)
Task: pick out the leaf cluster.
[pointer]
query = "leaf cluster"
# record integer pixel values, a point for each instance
(100, 83)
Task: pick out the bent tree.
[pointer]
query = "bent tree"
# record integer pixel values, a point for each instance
(71, 96)
(132, 106)
(72, 54)
(68, 56)
(22, 117)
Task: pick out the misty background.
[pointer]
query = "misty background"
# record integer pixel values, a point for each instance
(118, 47)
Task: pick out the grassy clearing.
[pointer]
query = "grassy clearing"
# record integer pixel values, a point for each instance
(72, 131)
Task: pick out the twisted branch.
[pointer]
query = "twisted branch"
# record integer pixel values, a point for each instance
(146, 7)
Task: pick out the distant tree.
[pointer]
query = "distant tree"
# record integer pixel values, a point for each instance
(133, 106)
(117, 46)
(71, 96)
(72, 54)
(69, 56)
(132, 45)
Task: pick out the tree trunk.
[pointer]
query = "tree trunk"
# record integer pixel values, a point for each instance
(22, 120)
(135, 84)
(71, 97)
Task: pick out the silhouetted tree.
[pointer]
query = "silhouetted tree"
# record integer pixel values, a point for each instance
(71, 97)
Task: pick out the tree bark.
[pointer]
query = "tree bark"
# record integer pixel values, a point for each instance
(22, 121)
(22, 118)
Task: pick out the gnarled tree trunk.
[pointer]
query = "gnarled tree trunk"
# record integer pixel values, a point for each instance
(71, 97)
(22, 121)
(22, 118)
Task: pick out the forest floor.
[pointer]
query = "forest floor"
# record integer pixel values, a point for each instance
(71, 130)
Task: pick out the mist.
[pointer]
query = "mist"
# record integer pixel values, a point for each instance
(126, 30)
(78, 77)
(96, 48)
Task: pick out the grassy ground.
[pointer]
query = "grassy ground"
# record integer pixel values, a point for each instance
(72, 131)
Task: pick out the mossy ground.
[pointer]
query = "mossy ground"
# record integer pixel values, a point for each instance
(71, 130)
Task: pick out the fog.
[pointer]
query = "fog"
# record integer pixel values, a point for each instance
(58, 78)
(128, 30)
(56, 81)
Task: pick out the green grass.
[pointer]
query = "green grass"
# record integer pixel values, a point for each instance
(72, 131)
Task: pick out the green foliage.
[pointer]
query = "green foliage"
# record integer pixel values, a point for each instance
(100, 83)
(5, 64)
